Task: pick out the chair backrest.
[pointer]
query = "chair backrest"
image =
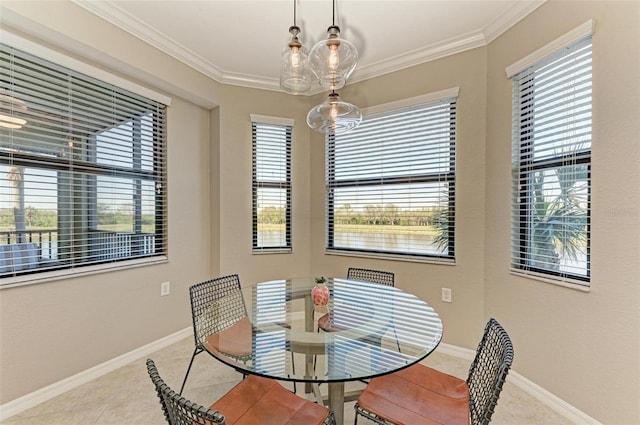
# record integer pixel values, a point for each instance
(216, 305)
(488, 372)
(368, 275)
(177, 409)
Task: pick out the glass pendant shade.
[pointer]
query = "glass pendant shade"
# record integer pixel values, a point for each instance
(9, 106)
(333, 60)
(334, 116)
(294, 68)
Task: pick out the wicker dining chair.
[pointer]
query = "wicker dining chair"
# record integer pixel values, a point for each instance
(421, 395)
(327, 322)
(218, 313)
(253, 401)
(369, 275)
(207, 300)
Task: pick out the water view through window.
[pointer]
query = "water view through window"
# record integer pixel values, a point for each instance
(391, 182)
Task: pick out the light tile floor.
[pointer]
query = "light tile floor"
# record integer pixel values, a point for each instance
(127, 396)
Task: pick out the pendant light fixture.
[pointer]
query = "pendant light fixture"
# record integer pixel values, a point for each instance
(334, 116)
(334, 59)
(294, 68)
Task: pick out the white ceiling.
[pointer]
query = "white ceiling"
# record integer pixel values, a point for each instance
(240, 41)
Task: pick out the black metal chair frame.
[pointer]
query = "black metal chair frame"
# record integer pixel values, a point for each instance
(180, 411)
(177, 409)
(370, 275)
(203, 297)
(487, 375)
(376, 276)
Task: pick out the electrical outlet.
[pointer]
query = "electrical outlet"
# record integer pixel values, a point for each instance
(446, 295)
(165, 288)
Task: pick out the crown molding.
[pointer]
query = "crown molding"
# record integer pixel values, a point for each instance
(251, 81)
(509, 18)
(419, 56)
(111, 12)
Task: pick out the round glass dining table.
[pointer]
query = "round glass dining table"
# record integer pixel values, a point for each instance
(376, 330)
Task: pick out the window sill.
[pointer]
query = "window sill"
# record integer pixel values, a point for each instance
(34, 278)
(392, 257)
(575, 284)
(272, 251)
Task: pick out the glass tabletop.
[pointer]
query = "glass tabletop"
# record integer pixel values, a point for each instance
(377, 329)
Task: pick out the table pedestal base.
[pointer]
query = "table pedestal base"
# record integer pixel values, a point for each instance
(336, 399)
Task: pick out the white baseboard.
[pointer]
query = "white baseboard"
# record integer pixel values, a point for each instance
(50, 391)
(455, 351)
(30, 400)
(550, 400)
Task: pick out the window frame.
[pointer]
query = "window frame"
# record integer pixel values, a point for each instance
(286, 125)
(448, 177)
(524, 163)
(78, 163)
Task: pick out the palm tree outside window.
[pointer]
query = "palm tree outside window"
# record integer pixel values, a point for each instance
(552, 166)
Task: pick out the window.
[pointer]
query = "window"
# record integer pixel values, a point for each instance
(82, 170)
(552, 166)
(271, 184)
(391, 181)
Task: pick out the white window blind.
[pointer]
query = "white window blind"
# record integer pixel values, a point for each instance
(391, 183)
(82, 169)
(271, 187)
(552, 166)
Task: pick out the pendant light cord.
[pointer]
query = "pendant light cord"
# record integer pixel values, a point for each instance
(294, 13)
(333, 16)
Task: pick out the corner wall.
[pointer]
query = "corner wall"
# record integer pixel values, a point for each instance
(463, 318)
(235, 164)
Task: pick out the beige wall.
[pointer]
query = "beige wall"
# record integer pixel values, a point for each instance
(235, 185)
(583, 347)
(50, 331)
(463, 319)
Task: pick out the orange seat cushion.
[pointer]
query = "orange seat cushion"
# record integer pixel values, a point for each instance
(418, 395)
(234, 341)
(262, 401)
